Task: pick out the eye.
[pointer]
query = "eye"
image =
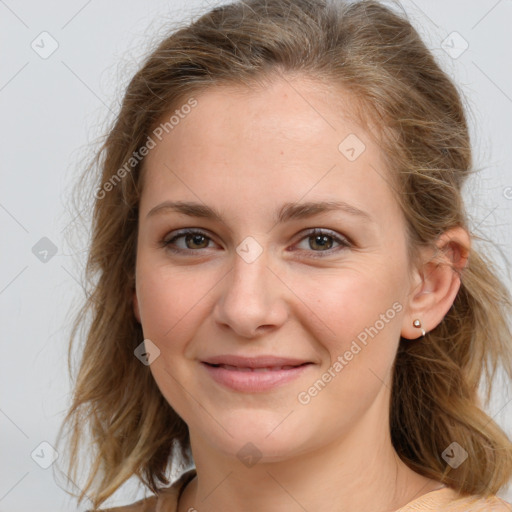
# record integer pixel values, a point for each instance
(192, 239)
(323, 241)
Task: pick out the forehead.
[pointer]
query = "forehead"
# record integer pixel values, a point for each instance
(289, 139)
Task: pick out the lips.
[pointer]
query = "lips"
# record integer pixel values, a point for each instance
(254, 374)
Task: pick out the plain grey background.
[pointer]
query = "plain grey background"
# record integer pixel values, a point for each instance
(63, 68)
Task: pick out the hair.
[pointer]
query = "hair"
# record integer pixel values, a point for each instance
(373, 53)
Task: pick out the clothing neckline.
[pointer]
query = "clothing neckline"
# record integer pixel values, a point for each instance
(190, 474)
(443, 493)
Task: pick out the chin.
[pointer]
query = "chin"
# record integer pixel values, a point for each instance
(258, 435)
(257, 450)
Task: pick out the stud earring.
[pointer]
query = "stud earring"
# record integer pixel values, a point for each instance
(417, 324)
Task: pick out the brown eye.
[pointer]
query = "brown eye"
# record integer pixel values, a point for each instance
(321, 241)
(192, 241)
(196, 240)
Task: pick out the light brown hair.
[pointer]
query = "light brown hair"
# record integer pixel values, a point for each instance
(374, 53)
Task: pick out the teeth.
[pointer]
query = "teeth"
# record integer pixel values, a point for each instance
(267, 369)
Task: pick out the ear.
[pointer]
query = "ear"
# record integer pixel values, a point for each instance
(437, 282)
(136, 306)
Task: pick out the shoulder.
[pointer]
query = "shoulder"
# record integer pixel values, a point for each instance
(479, 504)
(168, 496)
(448, 500)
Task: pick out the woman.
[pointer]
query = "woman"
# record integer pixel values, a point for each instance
(287, 292)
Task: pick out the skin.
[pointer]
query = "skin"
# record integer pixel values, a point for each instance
(246, 152)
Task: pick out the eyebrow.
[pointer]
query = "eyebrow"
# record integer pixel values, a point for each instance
(289, 211)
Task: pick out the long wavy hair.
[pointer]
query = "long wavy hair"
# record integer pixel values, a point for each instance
(373, 52)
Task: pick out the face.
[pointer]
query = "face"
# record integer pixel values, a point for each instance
(317, 286)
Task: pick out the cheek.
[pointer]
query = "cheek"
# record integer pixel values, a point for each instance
(171, 302)
(361, 306)
(168, 298)
(357, 321)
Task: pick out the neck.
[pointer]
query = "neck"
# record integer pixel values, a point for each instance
(359, 471)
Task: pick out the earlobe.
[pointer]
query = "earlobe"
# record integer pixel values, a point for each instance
(439, 283)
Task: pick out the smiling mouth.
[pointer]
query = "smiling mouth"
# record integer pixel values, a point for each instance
(254, 379)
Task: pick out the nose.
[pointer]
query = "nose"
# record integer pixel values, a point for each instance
(252, 299)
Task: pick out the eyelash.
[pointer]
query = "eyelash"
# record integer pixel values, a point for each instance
(344, 243)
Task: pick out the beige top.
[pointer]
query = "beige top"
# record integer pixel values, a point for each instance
(441, 500)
